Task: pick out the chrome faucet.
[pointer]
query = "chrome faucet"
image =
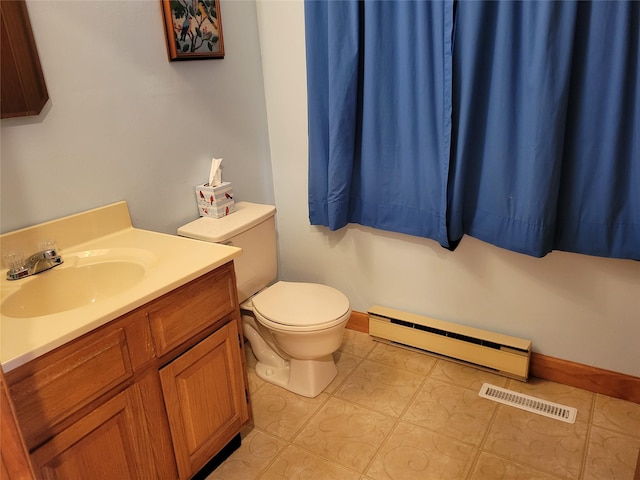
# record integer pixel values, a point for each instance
(45, 259)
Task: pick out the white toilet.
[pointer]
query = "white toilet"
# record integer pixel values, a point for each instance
(294, 328)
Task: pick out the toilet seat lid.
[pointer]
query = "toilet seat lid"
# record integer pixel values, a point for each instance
(300, 304)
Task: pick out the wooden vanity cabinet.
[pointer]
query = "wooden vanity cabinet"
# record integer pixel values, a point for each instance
(155, 393)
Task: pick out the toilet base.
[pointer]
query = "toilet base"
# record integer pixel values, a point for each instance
(304, 377)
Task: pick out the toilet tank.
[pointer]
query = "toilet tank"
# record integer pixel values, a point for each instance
(251, 227)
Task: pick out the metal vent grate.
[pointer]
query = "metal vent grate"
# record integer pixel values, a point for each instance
(528, 403)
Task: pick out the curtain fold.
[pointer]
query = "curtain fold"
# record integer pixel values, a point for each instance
(511, 76)
(378, 103)
(513, 122)
(333, 73)
(545, 144)
(599, 204)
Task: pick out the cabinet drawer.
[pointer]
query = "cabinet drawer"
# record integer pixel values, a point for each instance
(52, 387)
(189, 310)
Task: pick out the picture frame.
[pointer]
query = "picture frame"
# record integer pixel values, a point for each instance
(193, 29)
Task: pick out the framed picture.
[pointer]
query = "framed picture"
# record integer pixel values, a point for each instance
(193, 29)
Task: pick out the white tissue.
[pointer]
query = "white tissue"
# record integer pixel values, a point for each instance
(215, 174)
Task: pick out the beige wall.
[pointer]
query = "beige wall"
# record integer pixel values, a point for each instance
(575, 307)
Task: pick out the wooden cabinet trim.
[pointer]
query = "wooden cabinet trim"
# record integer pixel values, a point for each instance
(14, 457)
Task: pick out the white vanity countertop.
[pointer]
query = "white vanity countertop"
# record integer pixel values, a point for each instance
(171, 262)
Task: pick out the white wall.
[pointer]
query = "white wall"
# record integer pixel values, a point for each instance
(123, 123)
(575, 307)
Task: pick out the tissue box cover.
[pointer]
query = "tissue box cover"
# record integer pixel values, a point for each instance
(215, 201)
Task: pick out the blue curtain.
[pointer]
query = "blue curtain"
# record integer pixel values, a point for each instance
(546, 127)
(511, 79)
(517, 123)
(379, 106)
(599, 201)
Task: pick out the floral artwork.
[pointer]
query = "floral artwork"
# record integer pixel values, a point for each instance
(193, 29)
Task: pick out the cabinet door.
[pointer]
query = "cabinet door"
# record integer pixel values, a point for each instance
(111, 442)
(205, 398)
(23, 90)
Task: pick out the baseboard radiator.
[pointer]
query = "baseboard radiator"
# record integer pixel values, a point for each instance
(497, 353)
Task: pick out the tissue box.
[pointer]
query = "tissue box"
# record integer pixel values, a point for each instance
(215, 201)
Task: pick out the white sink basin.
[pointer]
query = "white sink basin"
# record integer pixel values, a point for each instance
(84, 278)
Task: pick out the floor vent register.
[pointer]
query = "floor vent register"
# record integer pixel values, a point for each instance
(529, 403)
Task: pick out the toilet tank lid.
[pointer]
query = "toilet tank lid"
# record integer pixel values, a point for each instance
(218, 230)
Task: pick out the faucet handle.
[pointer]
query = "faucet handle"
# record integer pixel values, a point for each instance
(15, 262)
(47, 245)
(14, 259)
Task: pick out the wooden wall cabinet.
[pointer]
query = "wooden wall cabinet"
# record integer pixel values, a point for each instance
(23, 89)
(154, 394)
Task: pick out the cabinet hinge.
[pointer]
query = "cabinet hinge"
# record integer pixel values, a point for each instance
(246, 395)
(240, 341)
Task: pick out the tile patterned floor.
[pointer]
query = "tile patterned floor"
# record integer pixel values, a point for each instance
(393, 414)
